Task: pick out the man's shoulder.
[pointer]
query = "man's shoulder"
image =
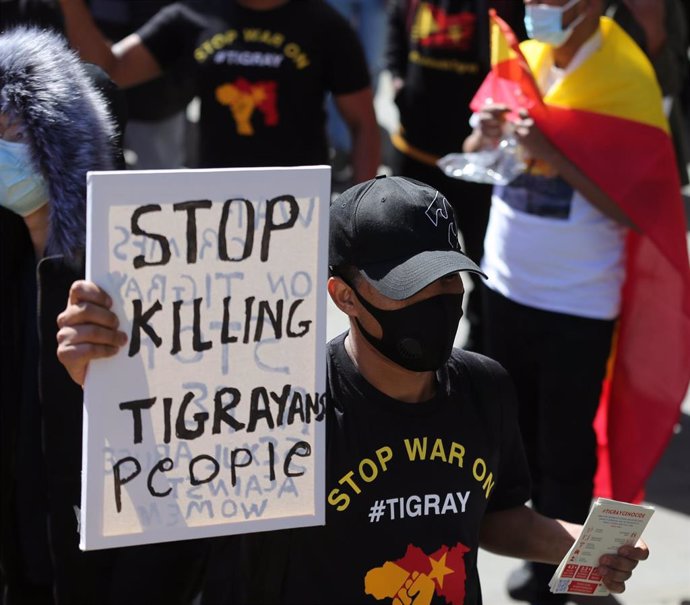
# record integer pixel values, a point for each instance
(336, 341)
(335, 349)
(485, 377)
(185, 11)
(475, 363)
(484, 380)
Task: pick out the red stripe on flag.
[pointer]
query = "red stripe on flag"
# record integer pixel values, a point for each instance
(634, 164)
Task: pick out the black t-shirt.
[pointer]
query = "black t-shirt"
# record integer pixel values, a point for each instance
(262, 76)
(407, 487)
(440, 48)
(157, 99)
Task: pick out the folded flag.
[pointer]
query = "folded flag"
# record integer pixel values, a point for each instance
(606, 117)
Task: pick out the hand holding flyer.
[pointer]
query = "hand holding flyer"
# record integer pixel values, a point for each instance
(609, 525)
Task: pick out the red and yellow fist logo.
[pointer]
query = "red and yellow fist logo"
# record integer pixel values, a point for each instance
(417, 577)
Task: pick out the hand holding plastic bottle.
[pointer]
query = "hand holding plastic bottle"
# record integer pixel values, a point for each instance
(491, 152)
(492, 125)
(533, 142)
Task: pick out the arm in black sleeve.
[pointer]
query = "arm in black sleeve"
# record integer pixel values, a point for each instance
(396, 47)
(170, 34)
(671, 63)
(513, 484)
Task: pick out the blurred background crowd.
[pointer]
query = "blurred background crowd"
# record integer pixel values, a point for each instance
(385, 88)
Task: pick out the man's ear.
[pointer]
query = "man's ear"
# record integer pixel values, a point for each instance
(342, 295)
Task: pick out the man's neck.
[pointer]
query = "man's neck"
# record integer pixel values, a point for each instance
(384, 375)
(563, 55)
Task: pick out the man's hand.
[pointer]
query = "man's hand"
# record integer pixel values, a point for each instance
(537, 146)
(87, 329)
(489, 129)
(524, 533)
(533, 140)
(617, 569)
(492, 121)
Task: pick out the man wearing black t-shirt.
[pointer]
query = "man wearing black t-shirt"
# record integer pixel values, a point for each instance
(262, 70)
(438, 55)
(424, 461)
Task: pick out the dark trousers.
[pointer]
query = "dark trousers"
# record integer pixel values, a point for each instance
(471, 203)
(558, 363)
(169, 573)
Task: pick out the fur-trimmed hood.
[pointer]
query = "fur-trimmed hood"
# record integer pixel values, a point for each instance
(70, 129)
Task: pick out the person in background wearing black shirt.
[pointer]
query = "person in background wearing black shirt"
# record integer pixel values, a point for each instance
(262, 70)
(438, 55)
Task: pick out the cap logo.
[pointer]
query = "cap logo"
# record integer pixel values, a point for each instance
(438, 209)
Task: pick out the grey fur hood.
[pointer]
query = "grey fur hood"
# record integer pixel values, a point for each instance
(70, 129)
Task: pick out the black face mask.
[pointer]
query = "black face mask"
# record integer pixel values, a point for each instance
(418, 337)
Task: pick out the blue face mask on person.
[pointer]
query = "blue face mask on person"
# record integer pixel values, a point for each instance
(22, 189)
(545, 23)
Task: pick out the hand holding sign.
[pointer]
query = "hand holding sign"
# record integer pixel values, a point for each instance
(88, 329)
(210, 421)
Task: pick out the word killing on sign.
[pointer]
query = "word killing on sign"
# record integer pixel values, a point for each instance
(267, 314)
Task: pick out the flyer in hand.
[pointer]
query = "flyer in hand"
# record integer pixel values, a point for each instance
(609, 525)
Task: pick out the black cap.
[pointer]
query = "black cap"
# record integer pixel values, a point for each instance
(401, 234)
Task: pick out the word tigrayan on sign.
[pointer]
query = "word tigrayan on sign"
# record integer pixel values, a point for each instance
(209, 421)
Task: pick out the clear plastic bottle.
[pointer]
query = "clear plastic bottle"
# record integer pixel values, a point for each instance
(498, 166)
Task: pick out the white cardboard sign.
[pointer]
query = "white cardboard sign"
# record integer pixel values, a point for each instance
(209, 421)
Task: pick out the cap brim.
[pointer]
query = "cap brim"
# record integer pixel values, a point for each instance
(398, 280)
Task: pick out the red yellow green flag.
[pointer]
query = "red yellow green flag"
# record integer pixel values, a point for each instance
(606, 116)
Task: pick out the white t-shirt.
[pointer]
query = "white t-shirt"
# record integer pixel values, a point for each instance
(547, 247)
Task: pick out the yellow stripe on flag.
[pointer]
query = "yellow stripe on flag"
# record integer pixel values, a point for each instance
(500, 48)
(613, 81)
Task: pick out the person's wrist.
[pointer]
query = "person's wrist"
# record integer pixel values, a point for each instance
(487, 142)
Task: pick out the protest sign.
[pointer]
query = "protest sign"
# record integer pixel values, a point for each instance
(209, 421)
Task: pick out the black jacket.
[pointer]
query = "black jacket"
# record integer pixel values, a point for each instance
(70, 132)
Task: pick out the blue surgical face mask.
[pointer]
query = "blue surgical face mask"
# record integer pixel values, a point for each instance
(22, 189)
(545, 23)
